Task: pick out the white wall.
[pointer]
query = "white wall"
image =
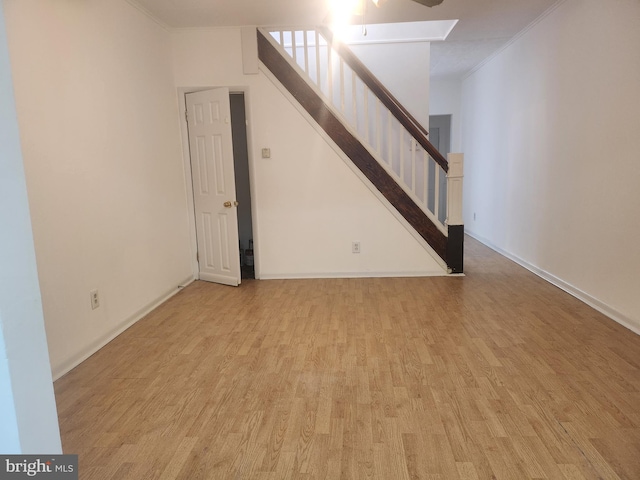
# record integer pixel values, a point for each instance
(552, 148)
(28, 418)
(445, 98)
(9, 434)
(404, 69)
(98, 115)
(308, 205)
(241, 163)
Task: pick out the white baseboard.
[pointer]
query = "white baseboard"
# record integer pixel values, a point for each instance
(68, 365)
(593, 302)
(303, 276)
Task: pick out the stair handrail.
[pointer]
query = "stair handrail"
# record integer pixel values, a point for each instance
(396, 108)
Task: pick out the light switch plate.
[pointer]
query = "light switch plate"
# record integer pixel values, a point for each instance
(266, 153)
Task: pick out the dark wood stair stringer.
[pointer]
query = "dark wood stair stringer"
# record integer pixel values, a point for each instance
(350, 145)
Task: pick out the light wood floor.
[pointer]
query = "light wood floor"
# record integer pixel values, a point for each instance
(494, 375)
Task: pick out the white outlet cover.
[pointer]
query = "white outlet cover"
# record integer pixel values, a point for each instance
(95, 299)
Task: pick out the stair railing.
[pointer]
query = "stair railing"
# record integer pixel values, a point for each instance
(385, 127)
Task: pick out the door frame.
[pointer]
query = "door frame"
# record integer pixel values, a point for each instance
(443, 123)
(186, 164)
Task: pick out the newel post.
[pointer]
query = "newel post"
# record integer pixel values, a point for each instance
(454, 222)
(454, 188)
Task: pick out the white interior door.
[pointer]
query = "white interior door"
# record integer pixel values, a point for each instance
(214, 189)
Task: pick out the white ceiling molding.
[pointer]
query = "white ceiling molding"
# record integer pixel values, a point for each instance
(408, 32)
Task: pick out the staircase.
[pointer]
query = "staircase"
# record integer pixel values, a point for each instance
(375, 131)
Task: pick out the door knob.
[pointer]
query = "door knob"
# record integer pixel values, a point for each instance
(229, 204)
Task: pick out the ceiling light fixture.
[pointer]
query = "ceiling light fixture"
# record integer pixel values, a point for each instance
(426, 3)
(343, 11)
(429, 3)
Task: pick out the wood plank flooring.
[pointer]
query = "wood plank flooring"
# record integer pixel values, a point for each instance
(496, 375)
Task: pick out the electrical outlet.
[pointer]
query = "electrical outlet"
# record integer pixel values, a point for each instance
(355, 247)
(95, 299)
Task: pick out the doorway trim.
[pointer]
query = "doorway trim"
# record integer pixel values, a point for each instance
(186, 168)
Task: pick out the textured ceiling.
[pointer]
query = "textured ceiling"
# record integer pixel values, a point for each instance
(484, 25)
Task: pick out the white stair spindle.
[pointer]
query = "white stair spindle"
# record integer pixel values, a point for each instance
(425, 178)
(414, 169)
(427, 192)
(436, 190)
(366, 114)
(294, 53)
(330, 72)
(378, 147)
(402, 130)
(354, 100)
(342, 106)
(389, 140)
(413, 166)
(318, 76)
(306, 52)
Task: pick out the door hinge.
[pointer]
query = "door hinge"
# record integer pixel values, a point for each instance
(186, 115)
(198, 257)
